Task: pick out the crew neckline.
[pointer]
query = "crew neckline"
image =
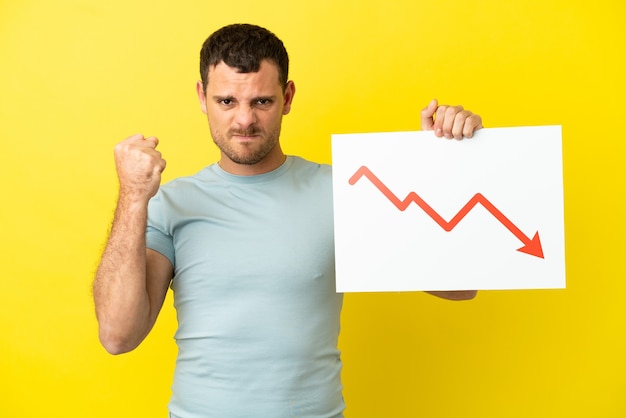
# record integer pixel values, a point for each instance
(258, 178)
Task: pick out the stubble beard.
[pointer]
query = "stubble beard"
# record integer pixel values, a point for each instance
(254, 152)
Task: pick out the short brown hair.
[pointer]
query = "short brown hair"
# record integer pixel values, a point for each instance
(243, 46)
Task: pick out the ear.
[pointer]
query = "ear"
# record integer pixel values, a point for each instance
(290, 91)
(201, 96)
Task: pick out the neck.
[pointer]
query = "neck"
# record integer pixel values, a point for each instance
(271, 162)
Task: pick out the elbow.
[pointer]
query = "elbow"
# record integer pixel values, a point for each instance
(115, 344)
(115, 349)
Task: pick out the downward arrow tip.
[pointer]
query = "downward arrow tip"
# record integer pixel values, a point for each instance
(533, 247)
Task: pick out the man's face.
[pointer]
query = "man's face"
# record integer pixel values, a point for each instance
(245, 112)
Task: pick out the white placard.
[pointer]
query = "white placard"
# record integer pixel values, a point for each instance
(417, 212)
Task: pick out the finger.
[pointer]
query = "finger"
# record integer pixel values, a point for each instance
(136, 147)
(161, 164)
(151, 141)
(460, 121)
(139, 139)
(427, 115)
(135, 137)
(440, 117)
(472, 124)
(133, 140)
(448, 120)
(157, 161)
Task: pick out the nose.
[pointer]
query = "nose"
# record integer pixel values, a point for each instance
(245, 117)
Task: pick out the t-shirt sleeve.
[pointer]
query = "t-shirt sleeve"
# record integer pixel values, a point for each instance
(158, 233)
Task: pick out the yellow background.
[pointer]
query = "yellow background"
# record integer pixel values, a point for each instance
(78, 76)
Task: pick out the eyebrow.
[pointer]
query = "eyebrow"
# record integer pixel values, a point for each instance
(254, 99)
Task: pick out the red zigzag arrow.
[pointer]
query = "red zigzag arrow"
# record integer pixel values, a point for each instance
(531, 246)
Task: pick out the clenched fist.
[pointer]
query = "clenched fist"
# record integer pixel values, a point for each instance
(139, 167)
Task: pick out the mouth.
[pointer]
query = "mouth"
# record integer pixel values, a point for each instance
(245, 136)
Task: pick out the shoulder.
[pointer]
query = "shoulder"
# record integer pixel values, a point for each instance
(309, 167)
(207, 174)
(180, 191)
(310, 178)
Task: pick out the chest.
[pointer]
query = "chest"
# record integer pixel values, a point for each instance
(254, 238)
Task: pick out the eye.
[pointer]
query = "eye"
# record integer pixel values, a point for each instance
(264, 102)
(226, 102)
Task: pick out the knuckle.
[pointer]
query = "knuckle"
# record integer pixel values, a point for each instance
(453, 110)
(463, 115)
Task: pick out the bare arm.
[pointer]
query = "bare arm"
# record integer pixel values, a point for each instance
(131, 282)
(454, 294)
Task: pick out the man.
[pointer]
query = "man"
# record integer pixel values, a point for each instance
(246, 244)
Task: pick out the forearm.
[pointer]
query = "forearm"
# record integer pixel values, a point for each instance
(120, 291)
(454, 294)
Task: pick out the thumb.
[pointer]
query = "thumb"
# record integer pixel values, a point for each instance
(427, 115)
